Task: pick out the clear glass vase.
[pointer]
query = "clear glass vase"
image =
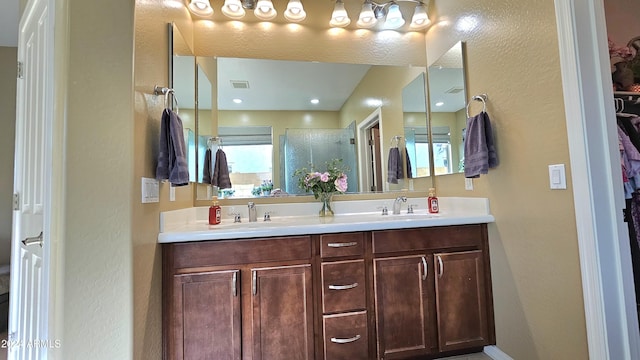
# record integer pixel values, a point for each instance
(326, 210)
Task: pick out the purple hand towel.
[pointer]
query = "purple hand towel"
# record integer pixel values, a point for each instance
(221, 171)
(479, 150)
(172, 155)
(206, 170)
(394, 166)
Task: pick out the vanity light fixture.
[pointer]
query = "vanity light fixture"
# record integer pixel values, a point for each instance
(394, 17)
(339, 17)
(367, 18)
(201, 7)
(233, 9)
(264, 10)
(420, 19)
(372, 12)
(295, 12)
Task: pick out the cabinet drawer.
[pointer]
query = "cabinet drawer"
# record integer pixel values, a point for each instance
(334, 245)
(343, 286)
(345, 336)
(427, 238)
(232, 252)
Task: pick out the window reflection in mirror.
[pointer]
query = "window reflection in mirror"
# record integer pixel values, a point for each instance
(248, 150)
(447, 94)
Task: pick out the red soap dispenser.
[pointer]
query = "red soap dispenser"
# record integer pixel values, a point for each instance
(432, 201)
(215, 212)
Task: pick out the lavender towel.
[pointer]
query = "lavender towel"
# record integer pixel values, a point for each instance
(206, 171)
(394, 166)
(221, 171)
(479, 150)
(409, 173)
(172, 155)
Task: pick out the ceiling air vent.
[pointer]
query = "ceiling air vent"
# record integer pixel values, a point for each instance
(239, 84)
(454, 90)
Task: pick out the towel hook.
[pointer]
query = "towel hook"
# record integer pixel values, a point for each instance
(481, 97)
(214, 140)
(167, 92)
(396, 139)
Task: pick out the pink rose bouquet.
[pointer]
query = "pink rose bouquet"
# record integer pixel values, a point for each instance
(332, 180)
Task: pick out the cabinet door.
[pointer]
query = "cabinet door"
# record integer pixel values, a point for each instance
(206, 316)
(403, 306)
(461, 300)
(282, 318)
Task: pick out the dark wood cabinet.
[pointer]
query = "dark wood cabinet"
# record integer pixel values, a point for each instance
(404, 308)
(461, 300)
(392, 294)
(206, 316)
(219, 307)
(282, 313)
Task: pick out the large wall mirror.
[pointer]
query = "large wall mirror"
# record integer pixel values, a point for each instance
(383, 68)
(276, 116)
(447, 94)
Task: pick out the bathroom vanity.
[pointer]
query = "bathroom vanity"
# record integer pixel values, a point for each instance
(350, 287)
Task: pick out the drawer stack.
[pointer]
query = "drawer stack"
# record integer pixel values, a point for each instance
(344, 314)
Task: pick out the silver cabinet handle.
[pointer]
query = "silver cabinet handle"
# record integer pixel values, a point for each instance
(440, 267)
(425, 268)
(342, 287)
(234, 285)
(36, 240)
(338, 245)
(254, 282)
(345, 341)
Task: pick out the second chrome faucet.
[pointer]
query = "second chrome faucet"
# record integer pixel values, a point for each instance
(253, 216)
(397, 203)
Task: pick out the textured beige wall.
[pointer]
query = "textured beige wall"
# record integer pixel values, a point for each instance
(8, 59)
(512, 55)
(98, 170)
(151, 67)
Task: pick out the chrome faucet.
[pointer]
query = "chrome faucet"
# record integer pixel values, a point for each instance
(253, 216)
(396, 204)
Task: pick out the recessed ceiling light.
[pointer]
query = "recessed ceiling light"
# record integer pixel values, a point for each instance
(315, 101)
(374, 102)
(439, 103)
(237, 101)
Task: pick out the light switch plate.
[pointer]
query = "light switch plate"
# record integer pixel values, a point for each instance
(172, 193)
(150, 190)
(557, 177)
(468, 184)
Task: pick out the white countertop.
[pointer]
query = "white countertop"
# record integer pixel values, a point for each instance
(191, 224)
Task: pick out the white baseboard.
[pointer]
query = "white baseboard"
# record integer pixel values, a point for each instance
(495, 353)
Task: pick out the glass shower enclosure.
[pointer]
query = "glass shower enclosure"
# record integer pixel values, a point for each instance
(299, 148)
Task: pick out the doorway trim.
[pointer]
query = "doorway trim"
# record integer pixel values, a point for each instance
(605, 258)
(363, 149)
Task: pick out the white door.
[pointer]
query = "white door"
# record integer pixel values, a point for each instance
(29, 294)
